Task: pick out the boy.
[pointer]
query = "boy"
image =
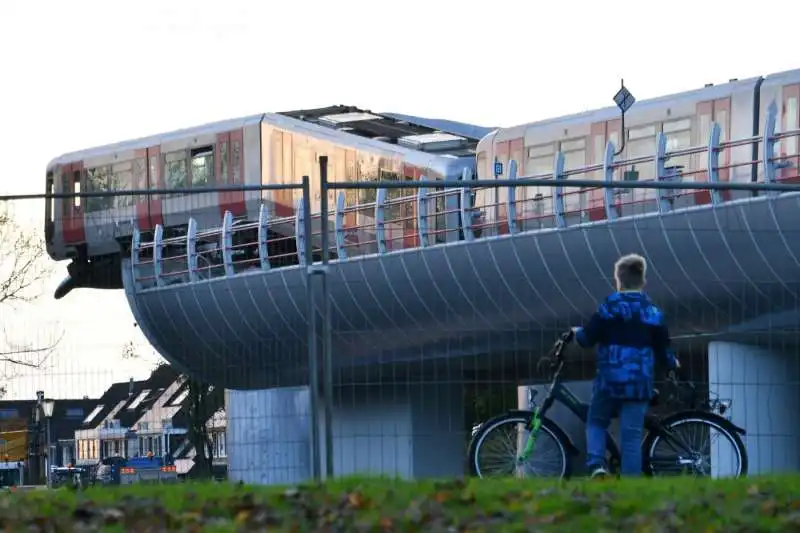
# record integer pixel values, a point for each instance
(629, 332)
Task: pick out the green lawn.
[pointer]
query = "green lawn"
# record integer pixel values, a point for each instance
(680, 505)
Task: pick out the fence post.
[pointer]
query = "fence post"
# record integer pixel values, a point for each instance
(327, 356)
(608, 177)
(380, 220)
(338, 224)
(511, 199)
(158, 246)
(768, 146)
(191, 249)
(263, 237)
(713, 161)
(136, 241)
(422, 215)
(302, 228)
(300, 235)
(660, 171)
(558, 192)
(227, 243)
(467, 207)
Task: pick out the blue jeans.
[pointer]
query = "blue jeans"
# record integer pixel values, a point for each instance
(631, 424)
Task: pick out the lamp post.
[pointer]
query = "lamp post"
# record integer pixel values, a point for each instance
(46, 407)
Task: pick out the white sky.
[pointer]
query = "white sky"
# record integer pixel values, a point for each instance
(85, 73)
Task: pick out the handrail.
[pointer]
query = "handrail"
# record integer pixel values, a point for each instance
(415, 219)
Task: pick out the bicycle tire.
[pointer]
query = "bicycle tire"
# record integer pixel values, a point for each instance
(547, 426)
(719, 423)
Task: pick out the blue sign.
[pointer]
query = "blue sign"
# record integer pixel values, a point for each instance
(624, 99)
(498, 168)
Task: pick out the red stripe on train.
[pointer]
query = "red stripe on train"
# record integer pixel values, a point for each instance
(72, 212)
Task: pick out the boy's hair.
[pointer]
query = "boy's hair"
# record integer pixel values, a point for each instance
(629, 272)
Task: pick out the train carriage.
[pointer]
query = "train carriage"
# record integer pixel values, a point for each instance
(271, 148)
(685, 119)
(364, 146)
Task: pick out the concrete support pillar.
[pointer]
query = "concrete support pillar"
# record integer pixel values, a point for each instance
(763, 386)
(409, 431)
(268, 435)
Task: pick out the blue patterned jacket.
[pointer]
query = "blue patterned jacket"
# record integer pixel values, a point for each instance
(629, 332)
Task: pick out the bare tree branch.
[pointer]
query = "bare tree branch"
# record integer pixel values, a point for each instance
(23, 268)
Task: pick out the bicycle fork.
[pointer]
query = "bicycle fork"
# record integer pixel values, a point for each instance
(530, 442)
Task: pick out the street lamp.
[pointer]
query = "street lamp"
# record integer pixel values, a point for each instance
(47, 406)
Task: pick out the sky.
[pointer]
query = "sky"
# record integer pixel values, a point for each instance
(86, 73)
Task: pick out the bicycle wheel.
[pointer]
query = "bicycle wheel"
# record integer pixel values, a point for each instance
(697, 443)
(494, 449)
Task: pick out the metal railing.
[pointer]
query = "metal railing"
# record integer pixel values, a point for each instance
(444, 211)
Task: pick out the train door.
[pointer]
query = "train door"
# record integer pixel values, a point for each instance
(155, 180)
(233, 201)
(597, 149)
(277, 171)
(705, 112)
(501, 150)
(72, 208)
(139, 182)
(790, 121)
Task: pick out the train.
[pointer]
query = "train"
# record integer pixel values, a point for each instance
(738, 106)
(95, 232)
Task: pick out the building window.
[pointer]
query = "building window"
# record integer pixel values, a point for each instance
(180, 398)
(74, 412)
(139, 399)
(93, 414)
(219, 441)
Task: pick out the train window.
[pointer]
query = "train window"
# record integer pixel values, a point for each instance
(642, 132)
(236, 162)
(574, 158)
(97, 181)
(679, 136)
(541, 150)
(536, 167)
(641, 143)
(153, 184)
(722, 119)
(175, 169)
(76, 188)
(51, 205)
(121, 180)
(202, 166)
(139, 174)
(223, 163)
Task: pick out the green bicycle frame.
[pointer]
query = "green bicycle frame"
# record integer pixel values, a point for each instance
(530, 443)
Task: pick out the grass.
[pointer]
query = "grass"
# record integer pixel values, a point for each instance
(375, 504)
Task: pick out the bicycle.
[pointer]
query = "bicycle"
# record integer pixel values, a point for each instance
(660, 431)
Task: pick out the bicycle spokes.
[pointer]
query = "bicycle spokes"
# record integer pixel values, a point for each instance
(501, 452)
(694, 448)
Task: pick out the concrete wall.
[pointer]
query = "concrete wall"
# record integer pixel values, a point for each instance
(763, 386)
(410, 431)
